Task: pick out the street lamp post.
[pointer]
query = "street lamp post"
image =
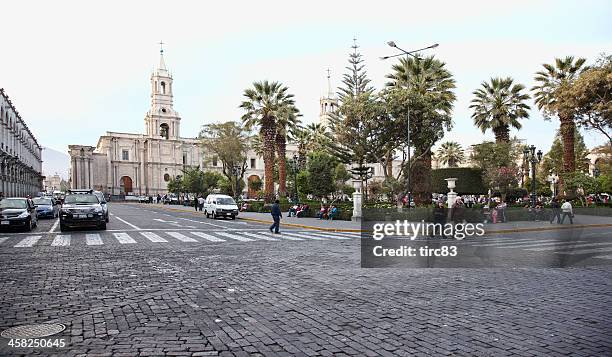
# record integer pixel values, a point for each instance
(533, 158)
(236, 172)
(295, 170)
(407, 54)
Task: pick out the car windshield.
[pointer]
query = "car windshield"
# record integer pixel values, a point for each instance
(225, 201)
(13, 204)
(81, 199)
(43, 201)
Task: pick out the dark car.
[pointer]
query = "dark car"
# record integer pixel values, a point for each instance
(18, 213)
(46, 207)
(82, 210)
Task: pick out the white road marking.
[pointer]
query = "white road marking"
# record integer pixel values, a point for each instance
(61, 240)
(195, 221)
(181, 237)
(587, 251)
(3, 239)
(27, 241)
(172, 223)
(588, 245)
(259, 236)
(302, 236)
(510, 243)
(153, 237)
(208, 237)
(281, 236)
(236, 237)
(325, 235)
(604, 256)
(54, 226)
(124, 238)
(499, 240)
(93, 239)
(128, 223)
(551, 245)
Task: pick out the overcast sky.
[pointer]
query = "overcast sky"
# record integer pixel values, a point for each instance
(77, 69)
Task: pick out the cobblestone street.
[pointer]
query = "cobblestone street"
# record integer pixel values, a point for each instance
(284, 297)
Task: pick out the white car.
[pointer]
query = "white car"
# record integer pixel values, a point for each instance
(220, 206)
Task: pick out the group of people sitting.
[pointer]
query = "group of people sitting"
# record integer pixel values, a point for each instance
(330, 212)
(298, 210)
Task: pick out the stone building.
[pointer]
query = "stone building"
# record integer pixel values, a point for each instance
(20, 153)
(140, 164)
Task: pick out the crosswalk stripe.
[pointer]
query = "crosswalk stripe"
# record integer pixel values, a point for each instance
(61, 240)
(153, 237)
(3, 239)
(27, 241)
(588, 245)
(281, 236)
(93, 239)
(341, 234)
(124, 238)
(587, 251)
(609, 256)
(208, 237)
(499, 240)
(236, 237)
(181, 237)
(259, 236)
(536, 245)
(510, 243)
(325, 235)
(303, 236)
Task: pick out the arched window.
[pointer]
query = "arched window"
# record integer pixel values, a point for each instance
(163, 85)
(164, 131)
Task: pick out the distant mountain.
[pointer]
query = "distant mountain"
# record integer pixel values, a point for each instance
(55, 162)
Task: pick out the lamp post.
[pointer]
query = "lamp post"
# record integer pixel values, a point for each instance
(236, 172)
(533, 158)
(407, 54)
(295, 170)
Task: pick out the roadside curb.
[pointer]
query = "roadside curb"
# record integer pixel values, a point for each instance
(349, 230)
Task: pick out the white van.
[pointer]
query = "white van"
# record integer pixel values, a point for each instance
(220, 206)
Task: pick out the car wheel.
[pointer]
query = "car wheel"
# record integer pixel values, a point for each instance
(63, 228)
(103, 226)
(28, 226)
(233, 218)
(214, 215)
(107, 219)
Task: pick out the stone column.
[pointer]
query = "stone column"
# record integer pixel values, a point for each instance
(357, 216)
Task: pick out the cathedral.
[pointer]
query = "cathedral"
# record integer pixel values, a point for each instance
(124, 163)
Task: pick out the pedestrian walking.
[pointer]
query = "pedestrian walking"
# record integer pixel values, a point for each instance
(195, 203)
(201, 203)
(555, 211)
(276, 216)
(439, 216)
(567, 210)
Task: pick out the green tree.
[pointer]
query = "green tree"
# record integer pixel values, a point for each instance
(175, 185)
(552, 161)
(285, 123)
(264, 104)
(200, 182)
(421, 89)
(491, 156)
(552, 81)
(228, 143)
(503, 179)
(451, 154)
(499, 105)
(321, 169)
(227, 186)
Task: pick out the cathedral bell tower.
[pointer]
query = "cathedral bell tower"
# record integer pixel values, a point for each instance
(161, 120)
(329, 104)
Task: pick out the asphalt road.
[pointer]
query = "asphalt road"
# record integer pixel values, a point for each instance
(161, 282)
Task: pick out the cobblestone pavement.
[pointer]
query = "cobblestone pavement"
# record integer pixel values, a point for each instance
(286, 297)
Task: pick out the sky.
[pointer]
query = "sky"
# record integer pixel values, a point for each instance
(77, 69)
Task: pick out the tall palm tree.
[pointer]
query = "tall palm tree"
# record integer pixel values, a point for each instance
(451, 154)
(550, 81)
(264, 104)
(499, 105)
(318, 136)
(284, 124)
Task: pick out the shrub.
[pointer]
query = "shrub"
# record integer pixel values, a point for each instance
(469, 180)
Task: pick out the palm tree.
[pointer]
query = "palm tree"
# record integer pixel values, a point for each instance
(264, 104)
(318, 136)
(550, 81)
(284, 124)
(451, 154)
(499, 105)
(301, 137)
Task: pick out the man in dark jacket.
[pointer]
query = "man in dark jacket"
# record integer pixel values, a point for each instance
(276, 216)
(555, 211)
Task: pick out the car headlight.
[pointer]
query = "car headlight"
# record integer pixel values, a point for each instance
(24, 214)
(98, 210)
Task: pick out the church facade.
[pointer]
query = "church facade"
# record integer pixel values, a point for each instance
(139, 164)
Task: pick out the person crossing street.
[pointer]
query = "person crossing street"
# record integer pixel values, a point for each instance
(567, 210)
(276, 216)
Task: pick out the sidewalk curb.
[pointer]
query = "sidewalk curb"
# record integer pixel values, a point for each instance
(348, 230)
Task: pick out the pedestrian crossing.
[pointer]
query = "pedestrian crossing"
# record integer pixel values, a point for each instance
(170, 237)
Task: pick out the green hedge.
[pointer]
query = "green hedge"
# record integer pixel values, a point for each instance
(345, 208)
(469, 180)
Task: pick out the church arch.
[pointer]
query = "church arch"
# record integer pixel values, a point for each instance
(163, 86)
(125, 185)
(164, 131)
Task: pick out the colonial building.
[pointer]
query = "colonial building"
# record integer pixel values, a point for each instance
(125, 163)
(20, 153)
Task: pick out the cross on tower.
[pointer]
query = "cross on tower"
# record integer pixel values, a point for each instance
(161, 47)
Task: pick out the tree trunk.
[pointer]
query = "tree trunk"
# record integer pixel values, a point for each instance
(421, 179)
(502, 134)
(567, 134)
(268, 129)
(281, 148)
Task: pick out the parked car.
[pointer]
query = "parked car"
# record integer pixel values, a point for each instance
(46, 207)
(18, 213)
(102, 200)
(82, 210)
(220, 206)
